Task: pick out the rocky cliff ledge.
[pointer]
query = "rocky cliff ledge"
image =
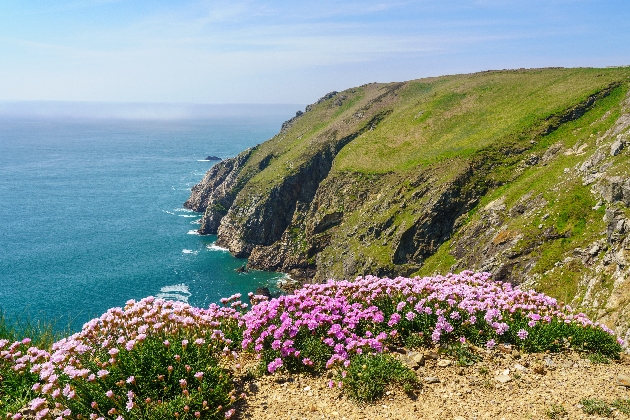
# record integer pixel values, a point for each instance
(522, 173)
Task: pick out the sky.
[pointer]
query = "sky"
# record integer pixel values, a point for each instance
(286, 52)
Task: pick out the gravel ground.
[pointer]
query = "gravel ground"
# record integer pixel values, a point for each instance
(501, 386)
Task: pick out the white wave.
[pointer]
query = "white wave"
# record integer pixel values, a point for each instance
(193, 232)
(181, 209)
(166, 211)
(179, 288)
(188, 215)
(285, 280)
(189, 251)
(196, 222)
(214, 247)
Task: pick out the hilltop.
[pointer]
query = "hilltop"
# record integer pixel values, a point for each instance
(521, 173)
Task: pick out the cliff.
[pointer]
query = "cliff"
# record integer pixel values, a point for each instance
(521, 173)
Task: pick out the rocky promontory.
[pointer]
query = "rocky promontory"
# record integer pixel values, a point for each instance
(521, 173)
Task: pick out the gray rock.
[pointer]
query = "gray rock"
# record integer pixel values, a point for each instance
(432, 380)
(616, 147)
(444, 362)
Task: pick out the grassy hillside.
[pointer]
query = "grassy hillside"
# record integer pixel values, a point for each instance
(511, 172)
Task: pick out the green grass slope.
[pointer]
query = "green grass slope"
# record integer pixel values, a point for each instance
(506, 171)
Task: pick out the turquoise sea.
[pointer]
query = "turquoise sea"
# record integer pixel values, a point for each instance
(91, 212)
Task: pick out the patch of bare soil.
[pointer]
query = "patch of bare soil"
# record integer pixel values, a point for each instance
(501, 386)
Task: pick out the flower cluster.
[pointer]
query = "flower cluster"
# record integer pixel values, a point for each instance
(164, 358)
(16, 362)
(150, 355)
(369, 313)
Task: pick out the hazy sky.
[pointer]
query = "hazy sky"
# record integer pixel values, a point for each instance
(286, 51)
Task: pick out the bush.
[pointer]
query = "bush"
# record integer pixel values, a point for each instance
(595, 406)
(366, 315)
(16, 378)
(368, 376)
(153, 359)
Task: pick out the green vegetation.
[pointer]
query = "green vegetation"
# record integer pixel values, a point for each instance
(369, 376)
(42, 333)
(622, 405)
(596, 406)
(557, 411)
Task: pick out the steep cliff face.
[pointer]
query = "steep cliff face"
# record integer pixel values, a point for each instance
(521, 173)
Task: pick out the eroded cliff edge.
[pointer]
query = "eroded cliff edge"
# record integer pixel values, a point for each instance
(521, 173)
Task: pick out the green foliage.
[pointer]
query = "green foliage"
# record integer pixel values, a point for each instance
(219, 208)
(167, 381)
(368, 376)
(557, 411)
(596, 406)
(16, 379)
(42, 333)
(622, 405)
(557, 336)
(598, 358)
(462, 352)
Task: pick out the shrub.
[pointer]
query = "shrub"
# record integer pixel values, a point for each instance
(368, 376)
(595, 406)
(366, 315)
(16, 378)
(152, 359)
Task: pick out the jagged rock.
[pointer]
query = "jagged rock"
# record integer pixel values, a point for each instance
(263, 291)
(416, 357)
(212, 157)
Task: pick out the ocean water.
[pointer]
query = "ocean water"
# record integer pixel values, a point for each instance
(91, 213)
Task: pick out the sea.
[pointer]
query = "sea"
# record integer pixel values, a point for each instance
(91, 210)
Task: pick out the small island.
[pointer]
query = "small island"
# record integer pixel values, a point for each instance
(213, 158)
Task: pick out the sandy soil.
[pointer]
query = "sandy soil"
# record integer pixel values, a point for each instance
(501, 386)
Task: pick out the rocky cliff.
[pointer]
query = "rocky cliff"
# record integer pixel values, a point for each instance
(522, 173)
